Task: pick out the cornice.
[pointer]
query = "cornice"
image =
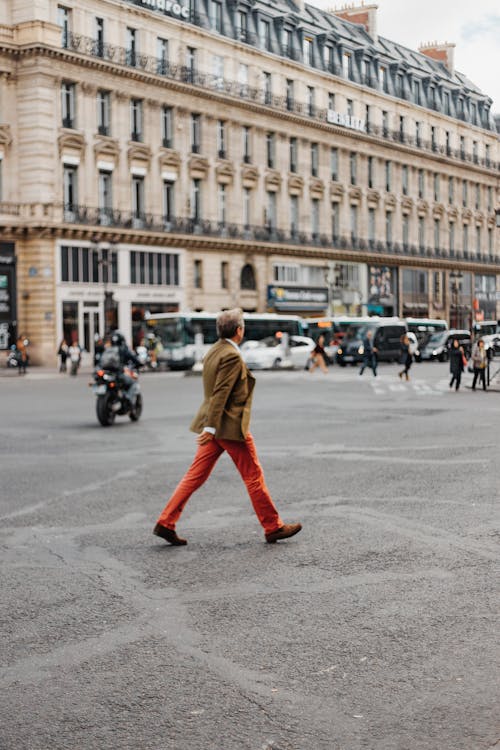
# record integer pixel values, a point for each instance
(107, 146)
(169, 158)
(71, 139)
(138, 151)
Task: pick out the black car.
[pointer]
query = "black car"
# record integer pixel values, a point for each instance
(440, 343)
(386, 339)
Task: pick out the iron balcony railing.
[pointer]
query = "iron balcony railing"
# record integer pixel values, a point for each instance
(120, 55)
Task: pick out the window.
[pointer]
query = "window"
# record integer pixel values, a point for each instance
(218, 71)
(315, 218)
(437, 185)
(329, 58)
(224, 274)
(353, 167)
(335, 221)
(154, 268)
(268, 93)
(490, 240)
(385, 123)
(64, 21)
(388, 227)
(247, 278)
(168, 200)
(99, 37)
(293, 154)
(383, 78)
(354, 223)
(243, 79)
(195, 133)
(433, 138)
(270, 147)
(437, 234)
(247, 208)
(294, 215)
(478, 240)
(487, 154)
(103, 112)
(190, 64)
(334, 164)
(331, 101)
(265, 34)
(308, 51)
(83, 265)
(350, 107)
(432, 97)
(68, 101)
(404, 179)
(478, 196)
(196, 201)
(198, 274)
(421, 183)
(136, 133)
(388, 176)
(451, 237)
(105, 196)
(464, 193)
(406, 230)
(418, 133)
(347, 67)
(314, 159)
(216, 15)
(221, 204)
(131, 47)
(271, 210)
(138, 197)
(289, 94)
(448, 142)
(446, 102)
(246, 145)
(70, 189)
(311, 106)
(371, 225)
(401, 128)
(287, 42)
(167, 127)
(242, 26)
(162, 56)
(421, 232)
(462, 147)
(221, 139)
(451, 190)
(417, 92)
(368, 117)
(465, 238)
(399, 85)
(490, 199)
(475, 152)
(286, 274)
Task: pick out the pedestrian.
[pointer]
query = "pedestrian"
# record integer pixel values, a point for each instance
(75, 357)
(63, 353)
(479, 362)
(457, 358)
(319, 357)
(222, 424)
(406, 357)
(98, 349)
(22, 355)
(369, 354)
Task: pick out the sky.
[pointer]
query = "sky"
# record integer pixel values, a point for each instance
(473, 25)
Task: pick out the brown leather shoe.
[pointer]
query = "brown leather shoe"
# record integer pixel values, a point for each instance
(169, 535)
(289, 529)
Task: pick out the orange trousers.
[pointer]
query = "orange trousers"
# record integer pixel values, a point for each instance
(245, 458)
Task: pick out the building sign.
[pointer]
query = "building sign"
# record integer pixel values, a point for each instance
(8, 323)
(164, 6)
(297, 298)
(347, 121)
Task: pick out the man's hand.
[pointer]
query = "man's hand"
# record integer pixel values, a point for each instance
(204, 438)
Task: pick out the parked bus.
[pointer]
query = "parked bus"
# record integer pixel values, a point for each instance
(176, 332)
(423, 328)
(485, 328)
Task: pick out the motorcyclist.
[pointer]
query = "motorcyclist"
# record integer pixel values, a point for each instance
(127, 359)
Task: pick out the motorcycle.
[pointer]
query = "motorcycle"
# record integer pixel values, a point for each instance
(114, 398)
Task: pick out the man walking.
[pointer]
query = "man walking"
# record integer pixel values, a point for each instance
(222, 424)
(369, 354)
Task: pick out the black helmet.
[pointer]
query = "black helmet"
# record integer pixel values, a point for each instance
(117, 338)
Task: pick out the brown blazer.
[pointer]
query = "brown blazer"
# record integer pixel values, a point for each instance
(228, 386)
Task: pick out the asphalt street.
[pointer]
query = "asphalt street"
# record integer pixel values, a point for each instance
(373, 629)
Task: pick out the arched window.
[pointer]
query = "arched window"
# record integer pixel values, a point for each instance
(247, 278)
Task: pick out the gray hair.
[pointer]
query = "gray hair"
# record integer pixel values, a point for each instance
(228, 322)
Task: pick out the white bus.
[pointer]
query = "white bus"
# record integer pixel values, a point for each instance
(176, 332)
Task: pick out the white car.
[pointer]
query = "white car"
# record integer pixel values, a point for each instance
(269, 353)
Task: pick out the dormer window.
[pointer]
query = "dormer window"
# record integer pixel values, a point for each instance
(308, 49)
(265, 34)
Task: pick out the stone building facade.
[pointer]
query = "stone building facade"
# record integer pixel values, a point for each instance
(164, 156)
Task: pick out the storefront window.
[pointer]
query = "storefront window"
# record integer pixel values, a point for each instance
(70, 321)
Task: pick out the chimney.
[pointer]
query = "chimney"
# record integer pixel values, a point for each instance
(444, 53)
(365, 15)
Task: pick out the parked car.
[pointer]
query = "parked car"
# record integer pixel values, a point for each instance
(440, 343)
(269, 353)
(387, 334)
(492, 345)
